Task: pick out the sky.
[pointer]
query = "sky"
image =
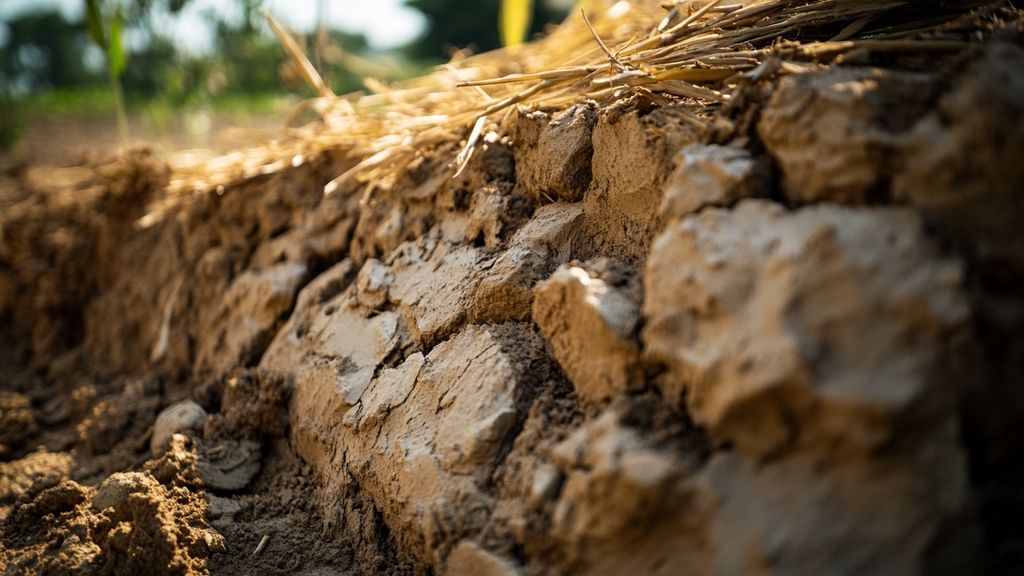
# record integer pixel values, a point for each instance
(386, 23)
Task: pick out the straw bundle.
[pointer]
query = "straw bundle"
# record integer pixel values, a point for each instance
(696, 54)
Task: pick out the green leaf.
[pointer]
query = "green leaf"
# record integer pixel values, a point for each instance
(94, 22)
(515, 21)
(115, 49)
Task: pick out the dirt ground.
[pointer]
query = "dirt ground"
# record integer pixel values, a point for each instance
(611, 345)
(84, 139)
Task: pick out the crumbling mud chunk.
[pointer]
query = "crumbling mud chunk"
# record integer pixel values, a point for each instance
(962, 182)
(821, 326)
(905, 513)
(553, 154)
(143, 526)
(248, 317)
(433, 285)
(626, 505)
(836, 135)
(592, 326)
(505, 291)
(32, 474)
(712, 175)
(634, 157)
(424, 473)
(468, 557)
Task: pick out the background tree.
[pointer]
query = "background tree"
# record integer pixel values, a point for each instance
(469, 23)
(43, 51)
(49, 64)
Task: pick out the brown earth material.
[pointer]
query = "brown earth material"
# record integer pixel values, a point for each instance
(614, 344)
(836, 134)
(591, 323)
(815, 327)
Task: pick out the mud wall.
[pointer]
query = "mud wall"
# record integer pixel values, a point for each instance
(614, 344)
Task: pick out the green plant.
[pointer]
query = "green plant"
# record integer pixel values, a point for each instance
(105, 31)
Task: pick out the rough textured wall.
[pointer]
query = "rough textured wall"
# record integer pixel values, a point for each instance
(611, 346)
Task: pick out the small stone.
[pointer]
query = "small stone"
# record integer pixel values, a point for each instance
(180, 417)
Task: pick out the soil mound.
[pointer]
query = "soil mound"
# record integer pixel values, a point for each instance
(783, 339)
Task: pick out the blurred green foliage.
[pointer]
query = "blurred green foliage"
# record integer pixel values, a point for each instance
(43, 50)
(49, 65)
(106, 28)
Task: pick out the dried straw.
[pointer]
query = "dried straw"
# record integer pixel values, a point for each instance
(698, 54)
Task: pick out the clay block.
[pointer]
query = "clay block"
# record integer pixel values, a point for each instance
(553, 153)
(506, 290)
(835, 134)
(591, 326)
(433, 286)
(962, 182)
(248, 317)
(819, 326)
(711, 175)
